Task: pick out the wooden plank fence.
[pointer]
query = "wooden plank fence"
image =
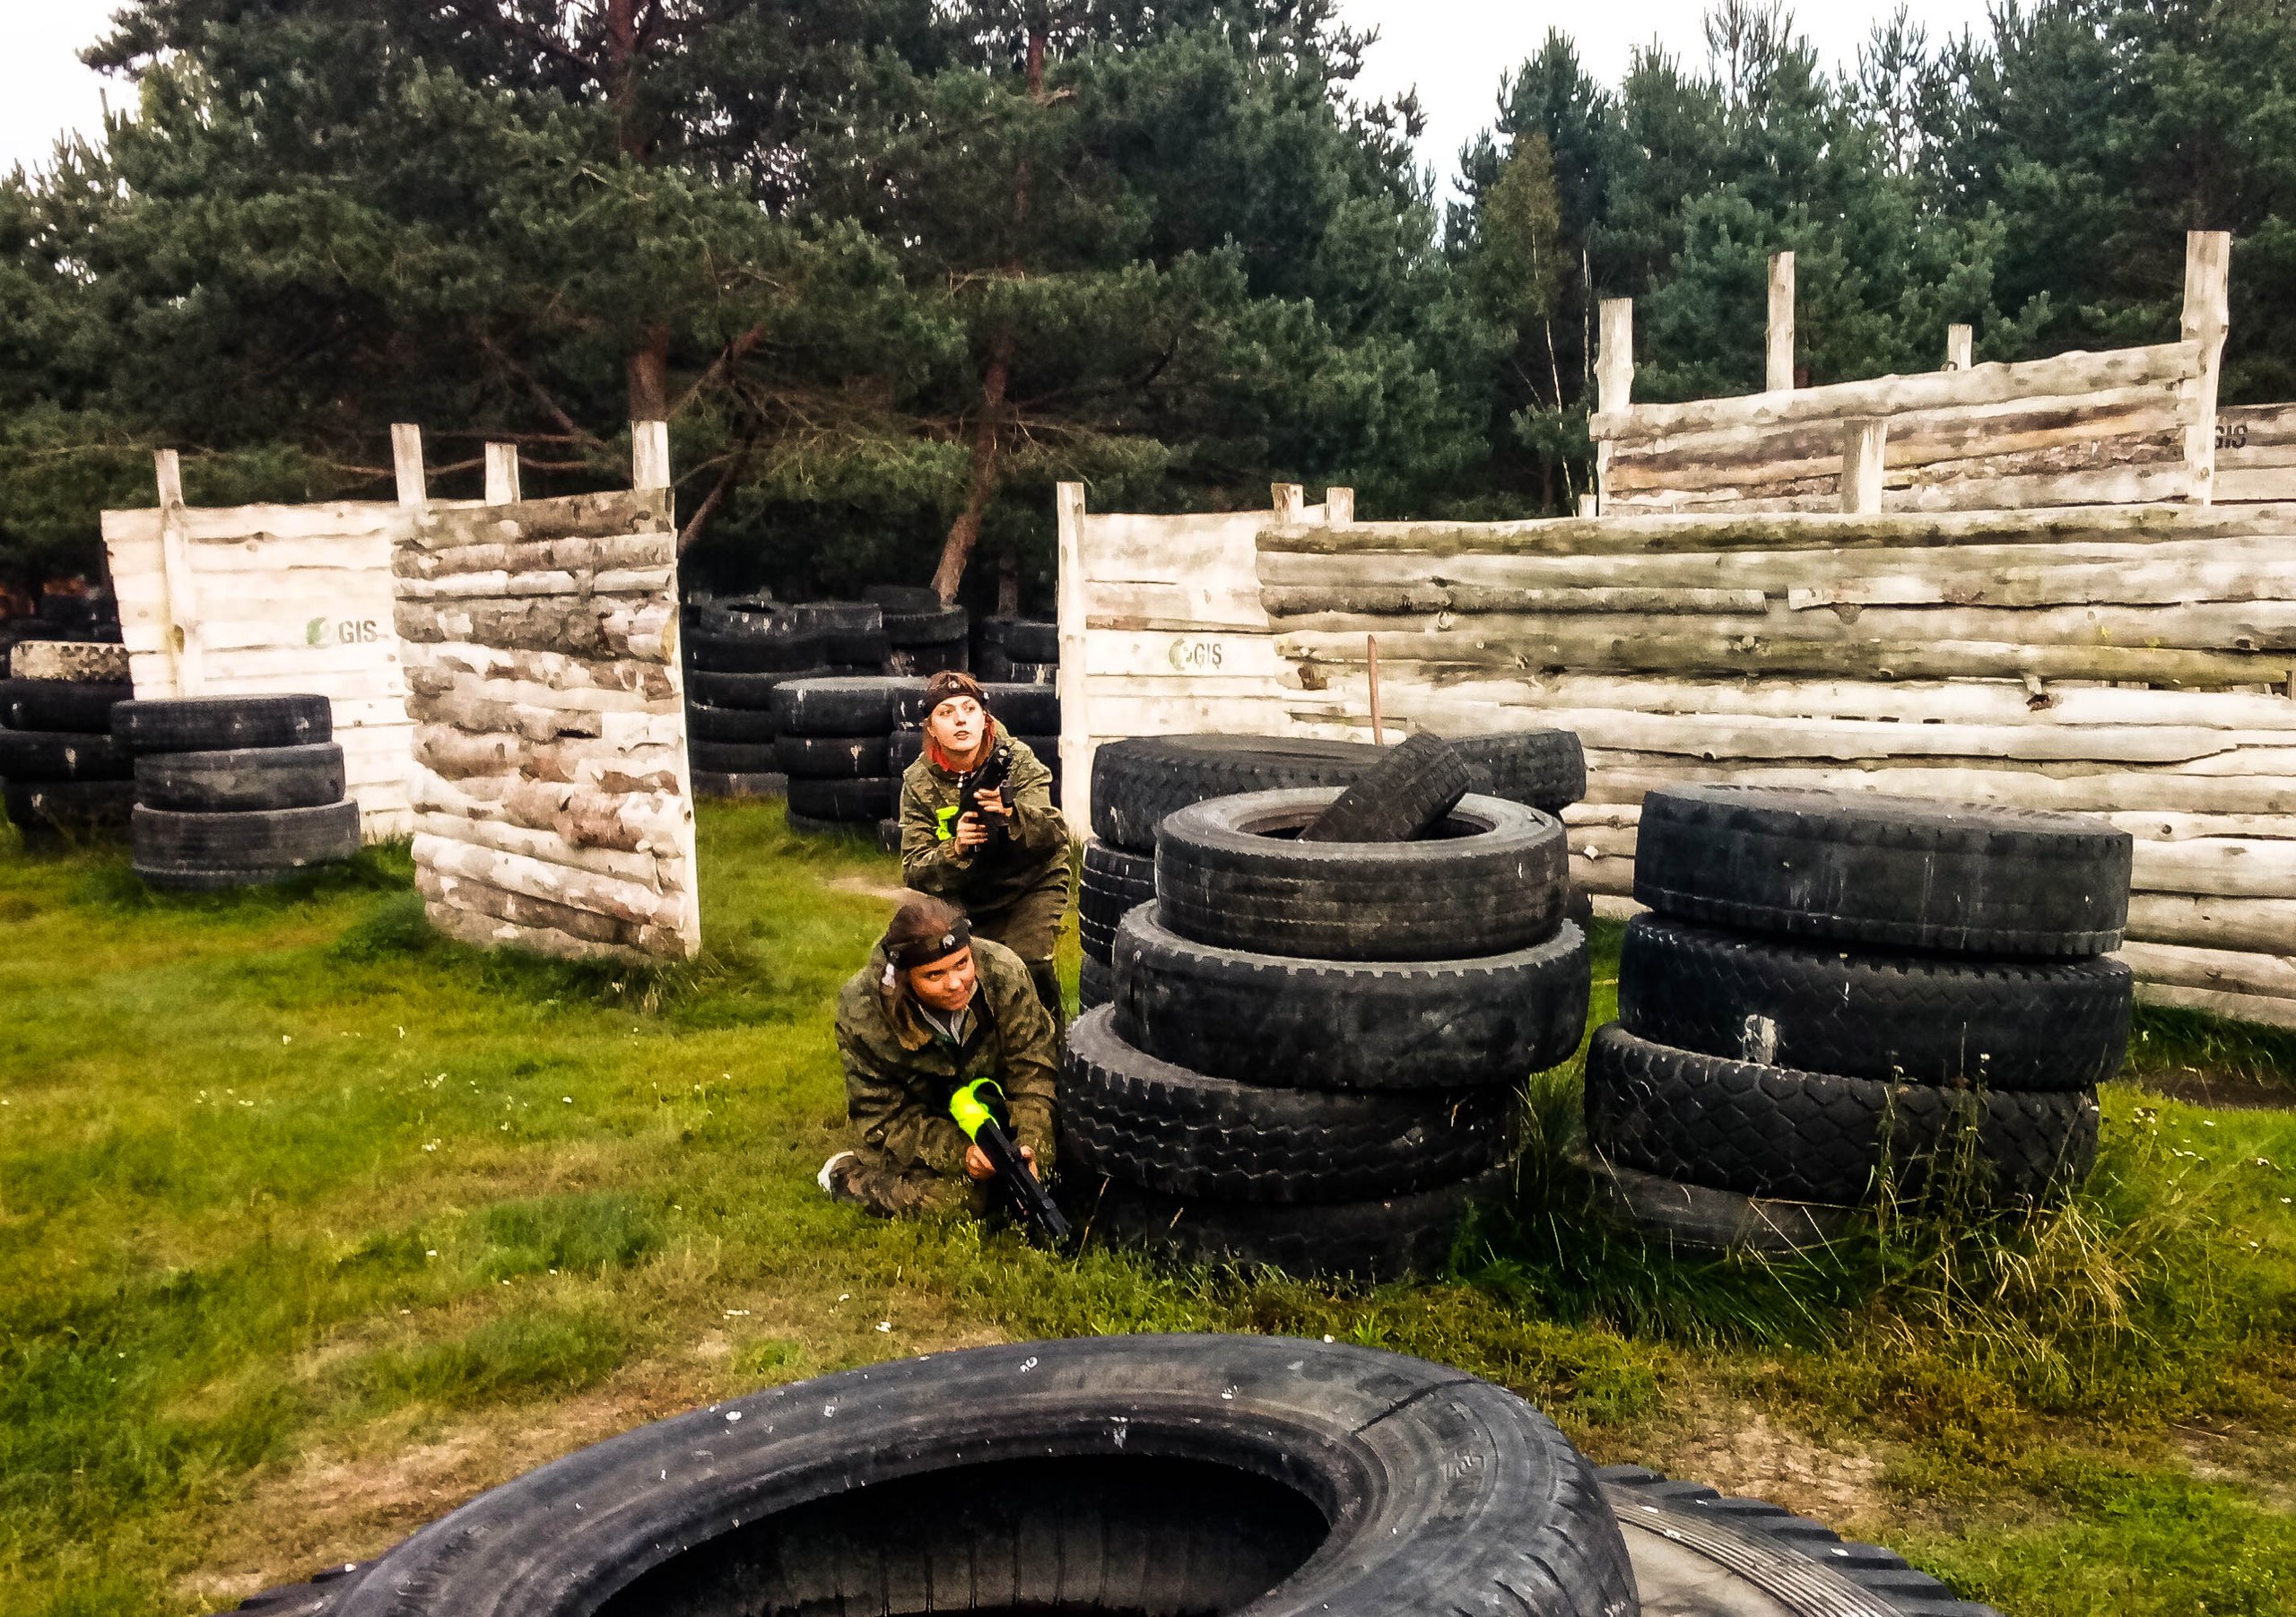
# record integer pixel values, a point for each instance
(2133, 425)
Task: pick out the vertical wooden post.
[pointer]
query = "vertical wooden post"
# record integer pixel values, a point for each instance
(1339, 507)
(1779, 369)
(1071, 601)
(1960, 343)
(1588, 506)
(1371, 663)
(406, 461)
(1288, 500)
(1863, 444)
(649, 455)
(501, 474)
(176, 577)
(2208, 265)
(1613, 380)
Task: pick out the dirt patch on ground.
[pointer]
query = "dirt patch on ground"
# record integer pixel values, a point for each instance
(1739, 1449)
(892, 892)
(2224, 1091)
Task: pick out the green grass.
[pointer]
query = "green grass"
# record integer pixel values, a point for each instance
(312, 1224)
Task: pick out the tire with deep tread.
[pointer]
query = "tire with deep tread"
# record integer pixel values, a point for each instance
(1802, 1136)
(1545, 768)
(1918, 1018)
(1493, 883)
(1349, 1025)
(1144, 1474)
(1415, 787)
(1899, 872)
(857, 800)
(1136, 783)
(744, 692)
(1702, 1219)
(833, 757)
(213, 724)
(241, 778)
(742, 726)
(1393, 1238)
(1113, 881)
(1095, 984)
(1128, 1115)
(81, 706)
(52, 755)
(1638, 1493)
(251, 840)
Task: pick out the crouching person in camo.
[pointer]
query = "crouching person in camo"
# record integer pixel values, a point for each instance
(1005, 856)
(935, 1008)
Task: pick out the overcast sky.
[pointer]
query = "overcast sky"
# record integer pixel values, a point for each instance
(1453, 50)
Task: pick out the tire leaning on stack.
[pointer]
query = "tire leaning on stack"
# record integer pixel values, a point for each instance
(1838, 998)
(235, 791)
(65, 777)
(1314, 1052)
(1137, 783)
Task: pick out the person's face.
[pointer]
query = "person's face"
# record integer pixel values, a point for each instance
(957, 725)
(946, 983)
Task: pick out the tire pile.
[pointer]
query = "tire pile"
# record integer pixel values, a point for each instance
(922, 636)
(1137, 783)
(1017, 651)
(235, 791)
(844, 742)
(1840, 997)
(62, 774)
(736, 652)
(1315, 1053)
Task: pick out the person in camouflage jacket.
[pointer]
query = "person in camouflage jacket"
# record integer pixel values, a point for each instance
(935, 1008)
(1013, 885)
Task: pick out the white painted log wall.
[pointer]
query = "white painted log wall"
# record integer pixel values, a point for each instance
(2203, 777)
(554, 799)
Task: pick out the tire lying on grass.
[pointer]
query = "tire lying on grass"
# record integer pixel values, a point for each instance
(196, 852)
(1130, 1117)
(854, 800)
(1768, 1131)
(1325, 1024)
(1393, 1238)
(47, 812)
(1160, 1476)
(1886, 872)
(242, 778)
(1229, 873)
(1908, 1018)
(212, 723)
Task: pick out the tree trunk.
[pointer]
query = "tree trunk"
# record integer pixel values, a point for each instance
(964, 533)
(988, 438)
(649, 376)
(1008, 586)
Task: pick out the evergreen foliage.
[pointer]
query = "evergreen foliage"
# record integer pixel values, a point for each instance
(891, 267)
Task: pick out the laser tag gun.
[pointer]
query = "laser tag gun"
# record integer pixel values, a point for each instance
(1022, 1188)
(993, 773)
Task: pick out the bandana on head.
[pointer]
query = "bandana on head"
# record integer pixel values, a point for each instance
(925, 930)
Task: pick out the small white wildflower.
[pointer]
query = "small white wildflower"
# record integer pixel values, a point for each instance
(884, 1324)
(432, 1253)
(737, 1313)
(1327, 1339)
(568, 1098)
(286, 1038)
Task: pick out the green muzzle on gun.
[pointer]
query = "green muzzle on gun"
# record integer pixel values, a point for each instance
(1022, 1188)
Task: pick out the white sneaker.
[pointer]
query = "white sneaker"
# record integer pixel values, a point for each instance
(833, 1186)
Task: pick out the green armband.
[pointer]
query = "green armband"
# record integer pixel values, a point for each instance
(944, 819)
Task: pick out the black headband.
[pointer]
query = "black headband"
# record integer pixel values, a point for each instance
(933, 946)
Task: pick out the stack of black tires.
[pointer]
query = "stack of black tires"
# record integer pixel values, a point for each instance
(235, 791)
(1315, 1054)
(922, 636)
(1137, 783)
(1017, 651)
(1839, 998)
(834, 740)
(63, 776)
(736, 652)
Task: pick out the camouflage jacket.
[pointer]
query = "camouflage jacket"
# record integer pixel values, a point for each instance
(1033, 859)
(899, 1070)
